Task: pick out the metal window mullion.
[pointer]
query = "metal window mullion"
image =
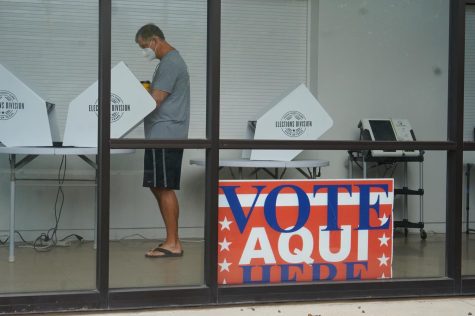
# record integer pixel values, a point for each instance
(159, 143)
(336, 145)
(212, 154)
(104, 91)
(455, 114)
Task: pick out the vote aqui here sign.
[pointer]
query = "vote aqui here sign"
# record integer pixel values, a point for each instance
(279, 231)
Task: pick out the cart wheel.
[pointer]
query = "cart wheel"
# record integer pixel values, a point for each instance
(423, 234)
(406, 231)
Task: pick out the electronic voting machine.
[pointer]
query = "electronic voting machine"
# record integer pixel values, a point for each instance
(388, 130)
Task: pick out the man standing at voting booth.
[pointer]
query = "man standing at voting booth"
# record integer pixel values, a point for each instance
(170, 88)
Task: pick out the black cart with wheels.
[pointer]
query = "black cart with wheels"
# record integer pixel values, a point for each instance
(362, 158)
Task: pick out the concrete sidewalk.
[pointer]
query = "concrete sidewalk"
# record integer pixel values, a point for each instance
(420, 307)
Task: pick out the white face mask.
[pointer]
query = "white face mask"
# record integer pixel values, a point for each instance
(149, 53)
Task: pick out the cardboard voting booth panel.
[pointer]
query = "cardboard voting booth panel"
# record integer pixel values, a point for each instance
(130, 103)
(23, 114)
(297, 116)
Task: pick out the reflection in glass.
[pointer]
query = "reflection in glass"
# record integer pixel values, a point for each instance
(54, 224)
(53, 193)
(468, 266)
(360, 59)
(419, 210)
(137, 226)
(468, 228)
(418, 240)
(469, 73)
(183, 25)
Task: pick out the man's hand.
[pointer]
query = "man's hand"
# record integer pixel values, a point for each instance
(159, 96)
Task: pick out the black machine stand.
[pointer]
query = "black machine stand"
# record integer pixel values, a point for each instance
(467, 195)
(362, 158)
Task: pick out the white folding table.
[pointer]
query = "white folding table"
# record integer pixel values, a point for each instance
(31, 153)
(310, 169)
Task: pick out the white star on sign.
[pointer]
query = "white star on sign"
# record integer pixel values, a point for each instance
(383, 276)
(383, 260)
(384, 240)
(225, 224)
(224, 265)
(224, 282)
(224, 244)
(383, 219)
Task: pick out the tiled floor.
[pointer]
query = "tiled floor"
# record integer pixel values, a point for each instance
(73, 268)
(130, 268)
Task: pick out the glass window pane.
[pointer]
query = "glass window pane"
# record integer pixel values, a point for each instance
(359, 59)
(468, 228)
(257, 241)
(48, 57)
(468, 266)
(469, 83)
(181, 76)
(137, 223)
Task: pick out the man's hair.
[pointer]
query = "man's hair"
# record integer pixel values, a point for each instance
(147, 31)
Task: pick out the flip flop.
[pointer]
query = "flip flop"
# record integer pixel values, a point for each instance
(153, 249)
(166, 253)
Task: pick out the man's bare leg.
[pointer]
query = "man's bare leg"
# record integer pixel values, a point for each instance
(168, 204)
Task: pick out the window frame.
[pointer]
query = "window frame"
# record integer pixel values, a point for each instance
(210, 293)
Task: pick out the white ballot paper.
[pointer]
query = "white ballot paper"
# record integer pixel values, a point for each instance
(130, 104)
(23, 114)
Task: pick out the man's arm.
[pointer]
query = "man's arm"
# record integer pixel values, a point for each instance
(159, 96)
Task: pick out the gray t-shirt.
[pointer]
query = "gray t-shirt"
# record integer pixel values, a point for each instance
(172, 118)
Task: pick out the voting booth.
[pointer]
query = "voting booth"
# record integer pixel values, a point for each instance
(24, 116)
(296, 116)
(130, 103)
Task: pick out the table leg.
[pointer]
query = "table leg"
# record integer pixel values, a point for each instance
(467, 195)
(282, 174)
(11, 255)
(421, 186)
(405, 211)
(350, 166)
(364, 168)
(96, 215)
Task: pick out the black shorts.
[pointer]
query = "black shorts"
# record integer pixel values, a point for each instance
(162, 168)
